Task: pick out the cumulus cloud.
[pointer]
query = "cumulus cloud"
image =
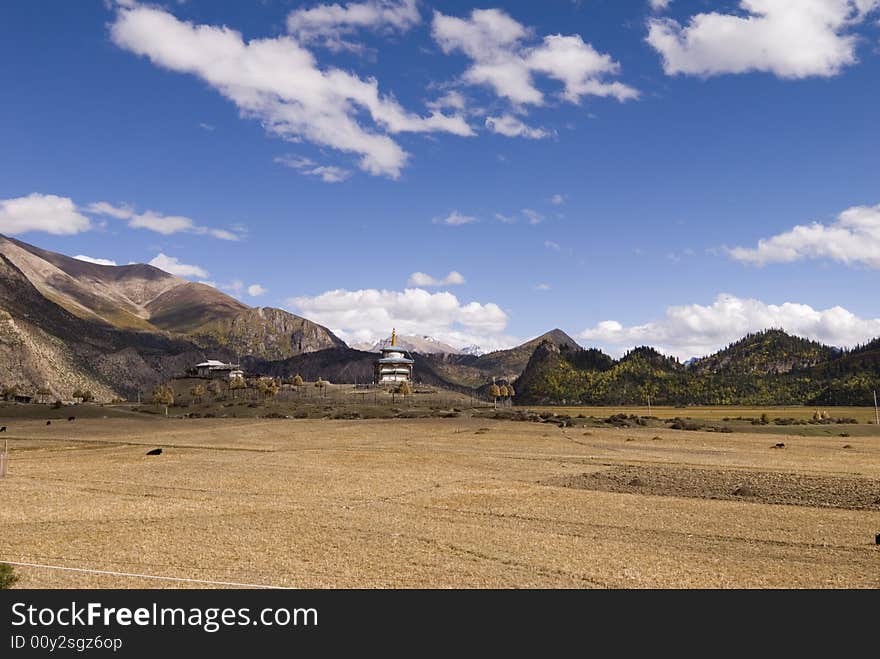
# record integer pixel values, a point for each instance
(255, 290)
(153, 221)
(41, 212)
(331, 25)
(502, 60)
(557, 199)
(327, 173)
(425, 280)
(173, 266)
(510, 126)
(697, 330)
(92, 259)
(368, 315)
(455, 219)
(659, 5)
(279, 82)
(789, 39)
(853, 238)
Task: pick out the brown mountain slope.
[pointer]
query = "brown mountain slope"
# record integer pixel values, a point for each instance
(43, 344)
(267, 333)
(145, 298)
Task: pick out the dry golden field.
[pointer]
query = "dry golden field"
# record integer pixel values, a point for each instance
(459, 502)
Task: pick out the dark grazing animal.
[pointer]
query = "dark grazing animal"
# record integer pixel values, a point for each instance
(48, 423)
(3, 429)
(71, 418)
(155, 451)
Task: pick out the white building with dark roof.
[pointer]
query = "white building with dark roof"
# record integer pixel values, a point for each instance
(393, 366)
(213, 368)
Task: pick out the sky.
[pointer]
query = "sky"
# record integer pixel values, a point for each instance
(670, 173)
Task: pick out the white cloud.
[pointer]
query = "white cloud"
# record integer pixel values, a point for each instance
(506, 219)
(495, 43)
(92, 259)
(789, 38)
(207, 127)
(327, 173)
(454, 100)
(329, 25)
(41, 212)
(557, 199)
(172, 265)
(542, 287)
(425, 280)
(255, 290)
(549, 244)
(697, 330)
(236, 287)
(659, 5)
(454, 219)
(510, 126)
(534, 217)
(368, 315)
(278, 82)
(165, 224)
(122, 212)
(853, 238)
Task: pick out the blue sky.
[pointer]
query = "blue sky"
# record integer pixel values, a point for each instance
(604, 167)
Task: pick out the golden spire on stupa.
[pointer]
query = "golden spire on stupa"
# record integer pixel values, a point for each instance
(393, 337)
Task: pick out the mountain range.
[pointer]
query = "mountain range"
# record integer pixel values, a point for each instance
(763, 368)
(425, 345)
(68, 324)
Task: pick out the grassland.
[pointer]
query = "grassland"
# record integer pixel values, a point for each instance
(436, 502)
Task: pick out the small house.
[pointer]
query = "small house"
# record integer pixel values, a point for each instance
(213, 369)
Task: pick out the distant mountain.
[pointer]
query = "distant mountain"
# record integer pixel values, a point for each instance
(764, 353)
(765, 368)
(426, 345)
(477, 370)
(67, 324)
(42, 344)
(134, 306)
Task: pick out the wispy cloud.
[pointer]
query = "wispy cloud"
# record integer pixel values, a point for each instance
(510, 126)
(165, 224)
(425, 280)
(454, 219)
(331, 25)
(534, 217)
(327, 173)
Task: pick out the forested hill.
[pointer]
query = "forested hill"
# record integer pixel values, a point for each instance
(765, 368)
